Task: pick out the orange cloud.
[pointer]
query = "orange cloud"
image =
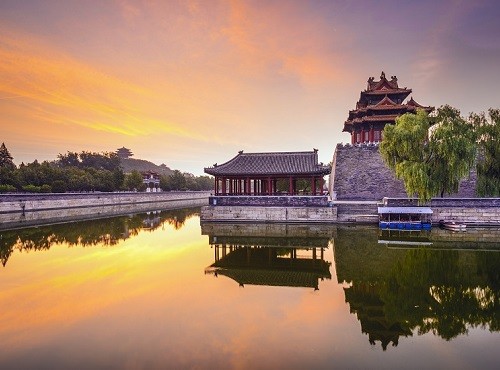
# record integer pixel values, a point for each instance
(65, 90)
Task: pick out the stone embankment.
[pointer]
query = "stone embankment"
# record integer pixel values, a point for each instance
(268, 214)
(472, 211)
(359, 173)
(18, 210)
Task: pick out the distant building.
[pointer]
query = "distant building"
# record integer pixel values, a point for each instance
(124, 153)
(152, 181)
(380, 104)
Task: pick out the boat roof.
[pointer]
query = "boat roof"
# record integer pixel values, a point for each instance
(405, 210)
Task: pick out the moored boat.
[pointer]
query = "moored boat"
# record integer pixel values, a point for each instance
(405, 218)
(452, 225)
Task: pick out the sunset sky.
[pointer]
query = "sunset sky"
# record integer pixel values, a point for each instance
(190, 83)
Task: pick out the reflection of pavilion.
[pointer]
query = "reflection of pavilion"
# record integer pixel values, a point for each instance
(269, 258)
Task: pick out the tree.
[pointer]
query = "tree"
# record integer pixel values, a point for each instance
(133, 181)
(430, 160)
(488, 164)
(205, 182)
(69, 159)
(6, 160)
(124, 153)
(177, 180)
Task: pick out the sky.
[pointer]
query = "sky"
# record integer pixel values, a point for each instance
(190, 83)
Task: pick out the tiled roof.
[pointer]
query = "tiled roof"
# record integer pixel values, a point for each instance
(277, 163)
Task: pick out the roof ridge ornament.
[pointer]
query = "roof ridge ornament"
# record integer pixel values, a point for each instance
(382, 75)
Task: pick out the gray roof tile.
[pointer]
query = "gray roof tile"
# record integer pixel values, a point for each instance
(277, 163)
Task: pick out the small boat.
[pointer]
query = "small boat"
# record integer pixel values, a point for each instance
(452, 225)
(405, 218)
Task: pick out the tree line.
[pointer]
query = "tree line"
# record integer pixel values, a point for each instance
(84, 171)
(433, 153)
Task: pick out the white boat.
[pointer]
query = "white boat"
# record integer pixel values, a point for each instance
(452, 225)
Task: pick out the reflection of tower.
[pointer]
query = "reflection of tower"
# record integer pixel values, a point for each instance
(365, 264)
(364, 300)
(269, 255)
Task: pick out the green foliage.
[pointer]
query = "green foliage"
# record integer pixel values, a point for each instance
(32, 188)
(99, 161)
(177, 181)
(59, 186)
(430, 160)
(204, 183)
(133, 181)
(7, 188)
(488, 164)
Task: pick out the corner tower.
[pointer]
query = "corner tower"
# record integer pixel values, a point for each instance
(378, 105)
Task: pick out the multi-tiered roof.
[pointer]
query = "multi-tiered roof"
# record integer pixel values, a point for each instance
(380, 104)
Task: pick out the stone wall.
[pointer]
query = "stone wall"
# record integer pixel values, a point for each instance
(360, 173)
(479, 211)
(267, 230)
(268, 214)
(38, 202)
(357, 212)
(52, 208)
(270, 201)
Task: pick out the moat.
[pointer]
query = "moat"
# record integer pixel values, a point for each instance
(157, 290)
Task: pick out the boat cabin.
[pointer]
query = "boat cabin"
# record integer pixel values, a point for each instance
(407, 218)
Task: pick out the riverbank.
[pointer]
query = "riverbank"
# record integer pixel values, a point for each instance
(471, 211)
(19, 210)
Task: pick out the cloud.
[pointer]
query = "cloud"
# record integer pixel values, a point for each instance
(67, 90)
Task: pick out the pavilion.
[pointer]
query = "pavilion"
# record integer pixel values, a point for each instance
(276, 173)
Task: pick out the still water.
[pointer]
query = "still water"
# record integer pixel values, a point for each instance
(158, 290)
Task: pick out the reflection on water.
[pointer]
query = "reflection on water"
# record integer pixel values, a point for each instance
(153, 291)
(409, 289)
(107, 232)
(272, 255)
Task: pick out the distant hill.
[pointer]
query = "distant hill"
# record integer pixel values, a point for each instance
(141, 165)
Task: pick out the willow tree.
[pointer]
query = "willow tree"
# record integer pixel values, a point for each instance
(430, 154)
(488, 164)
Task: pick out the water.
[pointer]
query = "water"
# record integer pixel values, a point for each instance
(158, 291)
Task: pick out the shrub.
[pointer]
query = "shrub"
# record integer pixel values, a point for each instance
(32, 188)
(7, 189)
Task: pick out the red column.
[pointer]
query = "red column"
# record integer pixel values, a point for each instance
(223, 186)
(370, 135)
(269, 186)
(353, 137)
(247, 190)
(216, 186)
(290, 186)
(313, 186)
